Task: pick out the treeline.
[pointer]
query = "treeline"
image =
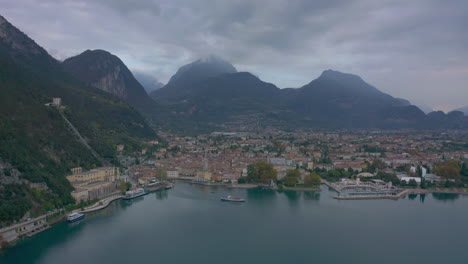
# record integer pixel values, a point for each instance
(260, 172)
(263, 172)
(15, 201)
(453, 170)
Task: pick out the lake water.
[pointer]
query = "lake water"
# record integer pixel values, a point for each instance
(189, 224)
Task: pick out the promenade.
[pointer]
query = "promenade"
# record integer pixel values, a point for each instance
(100, 204)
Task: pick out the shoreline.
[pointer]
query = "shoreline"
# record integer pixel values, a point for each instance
(301, 189)
(99, 205)
(252, 186)
(227, 185)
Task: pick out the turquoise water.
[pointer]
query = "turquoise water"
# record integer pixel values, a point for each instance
(189, 224)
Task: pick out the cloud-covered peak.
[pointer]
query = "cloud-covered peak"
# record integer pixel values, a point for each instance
(203, 68)
(340, 76)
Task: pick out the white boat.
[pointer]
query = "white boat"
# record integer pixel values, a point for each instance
(73, 217)
(232, 199)
(134, 193)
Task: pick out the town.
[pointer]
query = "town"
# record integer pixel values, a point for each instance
(410, 159)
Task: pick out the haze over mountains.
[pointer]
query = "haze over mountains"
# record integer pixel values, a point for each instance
(149, 82)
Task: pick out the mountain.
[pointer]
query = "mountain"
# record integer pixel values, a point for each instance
(182, 81)
(105, 71)
(463, 110)
(338, 99)
(230, 97)
(23, 49)
(334, 100)
(36, 144)
(148, 82)
(452, 120)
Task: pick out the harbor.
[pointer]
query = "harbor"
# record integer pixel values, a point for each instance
(356, 190)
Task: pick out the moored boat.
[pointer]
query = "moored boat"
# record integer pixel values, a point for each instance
(73, 217)
(232, 199)
(134, 193)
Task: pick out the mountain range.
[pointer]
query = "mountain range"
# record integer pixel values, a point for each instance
(210, 94)
(211, 91)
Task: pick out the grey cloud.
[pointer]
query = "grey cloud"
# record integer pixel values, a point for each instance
(409, 49)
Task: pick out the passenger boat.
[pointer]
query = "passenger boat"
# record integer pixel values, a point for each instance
(73, 217)
(169, 186)
(232, 199)
(134, 193)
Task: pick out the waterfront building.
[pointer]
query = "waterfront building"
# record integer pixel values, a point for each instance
(94, 184)
(172, 174)
(204, 175)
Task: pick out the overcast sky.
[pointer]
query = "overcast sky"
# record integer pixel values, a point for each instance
(416, 49)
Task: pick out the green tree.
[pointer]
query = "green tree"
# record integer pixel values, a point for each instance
(312, 179)
(412, 183)
(266, 172)
(379, 164)
(291, 177)
(464, 170)
(123, 187)
(449, 170)
(162, 175)
(252, 174)
(388, 177)
(241, 180)
(261, 172)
